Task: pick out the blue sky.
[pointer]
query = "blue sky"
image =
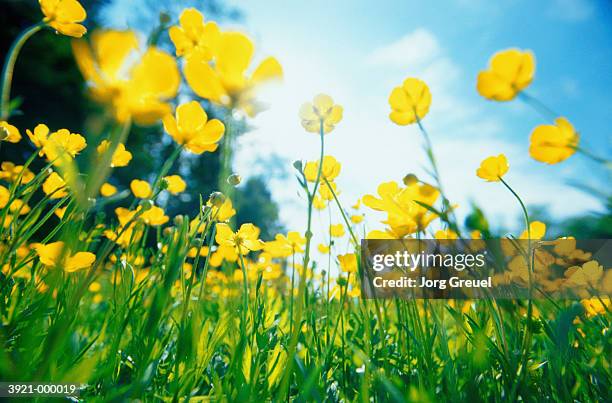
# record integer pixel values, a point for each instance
(357, 51)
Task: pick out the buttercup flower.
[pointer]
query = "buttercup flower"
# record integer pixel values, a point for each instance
(553, 143)
(222, 213)
(244, 240)
(121, 156)
(588, 274)
(356, 219)
(537, 230)
(10, 172)
(227, 83)
(337, 230)
(410, 102)
(141, 189)
(10, 132)
(327, 190)
(493, 168)
(330, 169)
(64, 16)
(53, 255)
(321, 113)
(348, 262)
(107, 190)
(54, 186)
(323, 249)
(192, 128)
(5, 194)
(194, 36)
(176, 184)
(404, 215)
(284, 246)
(57, 145)
(510, 71)
(154, 216)
(134, 87)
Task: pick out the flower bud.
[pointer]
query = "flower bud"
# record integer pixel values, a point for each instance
(146, 205)
(410, 179)
(234, 180)
(341, 281)
(167, 231)
(178, 220)
(216, 199)
(163, 184)
(298, 165)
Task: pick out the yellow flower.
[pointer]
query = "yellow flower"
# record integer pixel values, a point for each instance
(330, 170)
(11, 133)
(243, 241)
(553, 143)
(64, 16)
(107, 190)
(176, 184)
(537, 229)
(319, 203)
(510, 71)
(121, 156)
(327, 190)
(54, 186)
(588, 275)
(134, 87)
(18, 206)
(348, 262)
(53, 255)
(493, 168)
(194, 36)
(10, 172)
(227, 83)
(320, 114)
(141, 189)
(39, 136)
(284, 246)
(445, 234)
(62, 144)
(224, 212)
(410, 102)
(337, 230)
(192, 128)
(404, 215)
(356, 219)
(323, 249)
(596, 305)
(154, 216)
(94, 287)
(5, 195)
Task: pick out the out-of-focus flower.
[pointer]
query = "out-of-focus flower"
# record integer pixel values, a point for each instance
(227, 82)
(5, 195)
(348, 262)
(121, 156)
(54, 186)
(337, 230)
(10, 172)
(510, 71)
(141, 189)
(327, 190)
(553, 143)
(62, 144)
(107, 190)
(192, 128)
(493, 168)
(356, 219)
(404, 213)
(154, 216)
(193, 36)
(134, 87)
(537, 229)
(19, 206)
(445, 234)
(321, 113)
(176, 184)
(244, 240)
(319, 203)
(330, 169)
(11, 133)
(596, 306)
(64, 16)
(53, 254)
(588, 274)
(324, 249)
(410, 102)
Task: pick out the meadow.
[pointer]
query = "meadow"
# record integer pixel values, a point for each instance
(140, 305)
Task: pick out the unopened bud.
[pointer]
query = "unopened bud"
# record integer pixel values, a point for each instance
(216, 199)
(341, 281)
(178, 220)
(410, 179)
(146, 205)
(234, 180)
(163, 184)
(167, 231)
(298, 165)
(164, 18)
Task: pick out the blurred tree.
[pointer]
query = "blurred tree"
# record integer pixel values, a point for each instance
(52, 92)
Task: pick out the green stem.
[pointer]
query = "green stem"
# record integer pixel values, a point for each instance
(538, 105)
(9, 67)
(245, 291)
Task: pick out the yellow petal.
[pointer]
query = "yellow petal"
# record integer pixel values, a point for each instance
(268, 69)
(203, 80)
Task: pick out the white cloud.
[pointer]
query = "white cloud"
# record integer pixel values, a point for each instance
(413, 50)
